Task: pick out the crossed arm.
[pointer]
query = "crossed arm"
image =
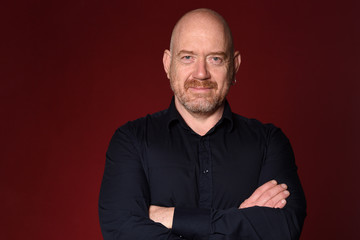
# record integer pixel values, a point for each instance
(270, 194)
(126, 212)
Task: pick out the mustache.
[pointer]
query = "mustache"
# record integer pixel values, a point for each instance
(193, 83)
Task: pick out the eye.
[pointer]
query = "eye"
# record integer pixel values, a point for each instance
(216, 60)
(187, 59)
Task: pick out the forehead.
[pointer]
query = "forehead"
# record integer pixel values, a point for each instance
(197, 33)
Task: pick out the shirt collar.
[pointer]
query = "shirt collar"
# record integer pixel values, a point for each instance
(175, 117)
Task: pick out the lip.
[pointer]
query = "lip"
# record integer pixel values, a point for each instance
(200, 89)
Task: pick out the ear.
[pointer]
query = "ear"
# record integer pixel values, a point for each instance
(167, 62)
(237, 61)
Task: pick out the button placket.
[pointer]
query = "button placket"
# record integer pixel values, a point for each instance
(205, 179)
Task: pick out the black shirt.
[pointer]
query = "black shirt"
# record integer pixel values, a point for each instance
(159, 160)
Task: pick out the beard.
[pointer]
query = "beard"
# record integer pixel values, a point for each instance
(199, 103)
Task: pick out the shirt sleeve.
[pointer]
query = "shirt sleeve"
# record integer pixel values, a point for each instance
(124, 194)
(254, 222)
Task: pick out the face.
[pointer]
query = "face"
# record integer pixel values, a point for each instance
(200, 66)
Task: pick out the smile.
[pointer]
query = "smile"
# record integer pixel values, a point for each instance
(200, 89)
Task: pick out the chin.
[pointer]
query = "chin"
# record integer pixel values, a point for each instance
(201, 105)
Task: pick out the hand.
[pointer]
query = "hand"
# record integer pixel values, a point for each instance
(270, 194)
(163, 215)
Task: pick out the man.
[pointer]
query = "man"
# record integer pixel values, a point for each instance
(197, 170)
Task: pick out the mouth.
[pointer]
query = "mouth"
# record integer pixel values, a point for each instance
(200, 89)
(200, 86)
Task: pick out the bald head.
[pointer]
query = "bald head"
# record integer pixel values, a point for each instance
(206, 20)
(201, 63)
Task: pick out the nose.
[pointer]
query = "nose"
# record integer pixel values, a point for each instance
(201, 72)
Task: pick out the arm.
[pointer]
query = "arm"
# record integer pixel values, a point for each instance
(270, 195)
(257, 218)
(124, 195)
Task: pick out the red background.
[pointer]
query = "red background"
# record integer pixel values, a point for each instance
(73, 71)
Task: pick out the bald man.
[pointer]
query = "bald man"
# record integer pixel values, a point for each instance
(196, 170)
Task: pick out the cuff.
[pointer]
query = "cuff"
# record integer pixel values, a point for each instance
(191, 223)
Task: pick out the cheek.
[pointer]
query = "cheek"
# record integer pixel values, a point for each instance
(180, 74)
(221, 76)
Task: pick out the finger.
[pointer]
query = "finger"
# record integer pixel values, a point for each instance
(270, 193)
(246, 204)
(260, 190)
(277, 199)
(280, 204)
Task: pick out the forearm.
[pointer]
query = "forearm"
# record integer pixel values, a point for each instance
(252, 223)
(124, 195)
(257, 221)
(197, 223)
(163, 215)
(125, 225)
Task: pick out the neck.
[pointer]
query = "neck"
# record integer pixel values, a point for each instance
(200, 123)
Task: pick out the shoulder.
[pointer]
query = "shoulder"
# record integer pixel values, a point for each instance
(268, 132)
(251, 124)
(138, 127)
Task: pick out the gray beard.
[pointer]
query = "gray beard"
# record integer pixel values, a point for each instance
(201, 106)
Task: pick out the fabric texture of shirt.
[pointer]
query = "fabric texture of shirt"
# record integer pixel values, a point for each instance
(160, 160)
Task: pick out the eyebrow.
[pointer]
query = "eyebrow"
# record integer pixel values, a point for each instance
(211, 53)
(185, 52)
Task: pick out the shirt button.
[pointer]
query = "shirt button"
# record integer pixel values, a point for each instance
(205, 171)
